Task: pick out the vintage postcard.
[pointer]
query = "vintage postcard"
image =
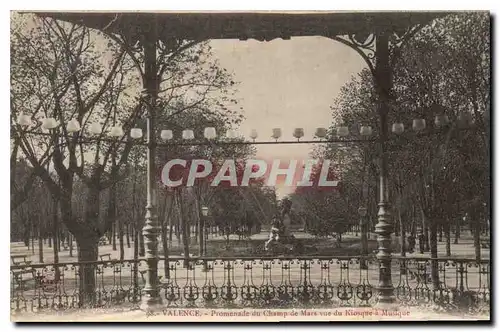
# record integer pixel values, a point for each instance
(250, 166)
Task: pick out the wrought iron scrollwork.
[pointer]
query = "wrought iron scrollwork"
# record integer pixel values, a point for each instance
(255, 282)
(363, 44)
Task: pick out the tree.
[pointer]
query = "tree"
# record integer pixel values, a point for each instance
(443, 70)
(326, 210)
(73, 79)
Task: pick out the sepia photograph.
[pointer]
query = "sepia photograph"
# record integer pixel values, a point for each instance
(250, 166)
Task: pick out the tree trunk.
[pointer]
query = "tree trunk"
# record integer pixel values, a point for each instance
(433, 229)
(164, 235)
(113, 235)
(142, 248)
(120, 238)
(457, 230)
(420, 231)
(448, 238)
(40, 245)
(402, 234)
(55, 249)
(199, 226)
(164, 239)
(67, 217)
(440, 233)
(477, 234)
(185, 230)
(87, 252)
(427, 237)
(201, 235)
(127, 229)
(70, 236)
(170, 230)
(26, 236)
(178, 230)
(186, 220)
(32, 241)
(136, 244)
(55, 232)
(195, 231)
(50, 241)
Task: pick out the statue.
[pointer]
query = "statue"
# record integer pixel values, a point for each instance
(281, 228)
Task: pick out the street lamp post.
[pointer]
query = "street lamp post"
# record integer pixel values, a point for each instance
(151, 228)
(364, 240)
(204, 212)
(384, 225)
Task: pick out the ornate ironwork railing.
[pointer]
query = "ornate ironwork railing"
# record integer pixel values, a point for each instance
(454, 284)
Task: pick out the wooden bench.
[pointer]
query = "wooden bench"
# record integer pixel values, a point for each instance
(421, 276)
(103, 241)
(20, 260)
(105, 255)
(23, 276)
(485, 244)
(49, 282)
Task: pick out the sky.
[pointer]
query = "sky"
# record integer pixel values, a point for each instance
(287, 84)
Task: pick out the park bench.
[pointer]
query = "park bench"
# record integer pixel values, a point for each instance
(23, 276)
(105, 255)
(422, 276)
(19, 260)
(103, 241)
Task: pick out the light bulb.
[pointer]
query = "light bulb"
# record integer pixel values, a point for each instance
(231, 134)
(441, 120)
(298, 133)
(73, 126)
(418, 124)
(136, 133)
(276, 133)
(166, 134)
(49, 123)
(365, 131)
(342, 131)
(204, 211)
(187, 134)
(23, 120)
(116, 131)
(321, 132)
(95, 128)
(210, 133)
(398, 128)
(253, 134)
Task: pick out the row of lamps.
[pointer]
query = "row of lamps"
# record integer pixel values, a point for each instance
(210, 133)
